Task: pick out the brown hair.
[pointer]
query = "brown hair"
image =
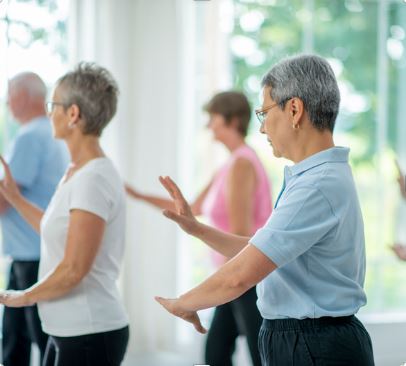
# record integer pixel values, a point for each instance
(230, 105)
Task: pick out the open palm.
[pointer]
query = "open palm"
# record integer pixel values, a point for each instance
(8, 186)
(183, 215)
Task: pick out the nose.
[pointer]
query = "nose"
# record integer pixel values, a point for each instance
(261, 128)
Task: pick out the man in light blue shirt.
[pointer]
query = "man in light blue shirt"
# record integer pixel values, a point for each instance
(309, 258)
(37, 162)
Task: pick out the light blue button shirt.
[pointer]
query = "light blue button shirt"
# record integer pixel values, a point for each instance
(37, 162)
(315, 236)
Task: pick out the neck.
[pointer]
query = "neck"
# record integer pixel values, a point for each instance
(84, 148)
(34, 113)
(312, 145)
(234, 142)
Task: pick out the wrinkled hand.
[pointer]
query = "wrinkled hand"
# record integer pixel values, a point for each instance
(14, 299)
(400, 251)
(8, 186)
(175, 308)
(183, 215)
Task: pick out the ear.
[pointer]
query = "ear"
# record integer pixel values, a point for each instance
(296, 110)
(74, 113)
(234, 123)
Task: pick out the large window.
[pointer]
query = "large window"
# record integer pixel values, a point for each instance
(364, 42)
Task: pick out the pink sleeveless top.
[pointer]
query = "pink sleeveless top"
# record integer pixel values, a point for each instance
(214, 205)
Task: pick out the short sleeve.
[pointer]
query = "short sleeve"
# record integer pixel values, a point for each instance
(24, 159)
(303, 218)
(91, 192)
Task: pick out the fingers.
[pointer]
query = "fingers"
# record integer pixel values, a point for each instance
(190, 317)
(172, 215)
(5, 166)
(171, 187)
(198, 325)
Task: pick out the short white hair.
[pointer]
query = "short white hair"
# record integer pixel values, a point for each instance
(31, 83)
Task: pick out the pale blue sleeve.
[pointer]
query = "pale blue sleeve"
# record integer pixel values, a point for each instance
(303, 218)
(25, 159)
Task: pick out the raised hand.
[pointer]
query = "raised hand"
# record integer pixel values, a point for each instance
(183, 215)
(400, 251)
(174, 307)
(8, 186)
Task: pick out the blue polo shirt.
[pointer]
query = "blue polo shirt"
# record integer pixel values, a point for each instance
(37, 162)
(315, 236)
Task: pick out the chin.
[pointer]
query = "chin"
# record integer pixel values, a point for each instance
(276, 152)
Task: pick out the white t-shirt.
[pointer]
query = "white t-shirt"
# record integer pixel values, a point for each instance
(94, 305)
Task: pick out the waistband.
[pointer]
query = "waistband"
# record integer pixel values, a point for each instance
(308, 323)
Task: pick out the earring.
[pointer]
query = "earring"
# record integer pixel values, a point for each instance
(71, 124)
(295, 127)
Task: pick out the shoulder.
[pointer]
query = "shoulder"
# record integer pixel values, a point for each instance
(100, 172)
(241, 167)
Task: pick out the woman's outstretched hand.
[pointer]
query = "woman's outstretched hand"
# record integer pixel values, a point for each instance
(183, 215)
(400, 251)
(174, 307)
(8, 186)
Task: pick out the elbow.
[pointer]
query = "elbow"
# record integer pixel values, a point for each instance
(74, 274)
(239, 284)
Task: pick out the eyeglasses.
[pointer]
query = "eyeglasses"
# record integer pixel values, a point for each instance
(49, 106)
(261, 113)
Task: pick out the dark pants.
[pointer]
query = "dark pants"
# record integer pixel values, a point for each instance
(99, 349)
(238, 317)
(21, 326)
(315, 342)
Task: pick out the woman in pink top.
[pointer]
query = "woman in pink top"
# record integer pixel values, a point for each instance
(237, 200)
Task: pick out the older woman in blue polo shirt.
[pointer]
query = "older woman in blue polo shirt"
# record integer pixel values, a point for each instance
(309, 258)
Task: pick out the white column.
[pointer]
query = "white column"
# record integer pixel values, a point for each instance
(137, 40)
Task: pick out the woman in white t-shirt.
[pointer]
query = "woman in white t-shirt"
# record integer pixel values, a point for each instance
(82, 231)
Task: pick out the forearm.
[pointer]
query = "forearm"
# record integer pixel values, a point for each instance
(56, 284)
(225, 243)
(158, 202)
(222, 287)
(233, 279)
(30, 212)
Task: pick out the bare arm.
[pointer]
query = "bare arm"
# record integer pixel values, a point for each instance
(167, 204)
(4, 205)
(158, 202)
(225, 243)
(84, 238)
(232, 280)
(10, 192)
(241, 183)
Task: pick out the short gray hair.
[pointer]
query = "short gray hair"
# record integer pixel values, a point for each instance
(93, 89)
(29, 82)
(311, 79)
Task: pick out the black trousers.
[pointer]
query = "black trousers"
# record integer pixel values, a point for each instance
(99, 349)
(21, 326)
(315, 342)
(238, 317)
